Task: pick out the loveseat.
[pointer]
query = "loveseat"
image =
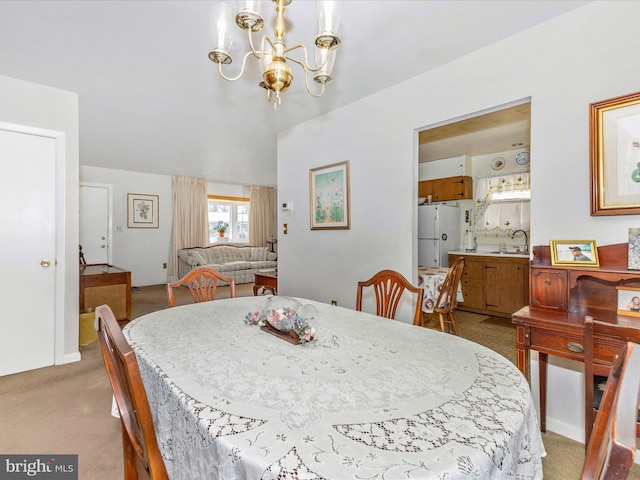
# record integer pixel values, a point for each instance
(240, 263)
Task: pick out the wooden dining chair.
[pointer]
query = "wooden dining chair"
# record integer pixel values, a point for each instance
(447, 298)
(142, 458)
(612, 445)
(202, 283)
(596, 371)
(389, 286)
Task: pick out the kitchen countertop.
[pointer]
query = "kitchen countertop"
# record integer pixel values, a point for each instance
(482, 253)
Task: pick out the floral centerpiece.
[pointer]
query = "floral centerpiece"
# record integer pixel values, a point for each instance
(286, 315)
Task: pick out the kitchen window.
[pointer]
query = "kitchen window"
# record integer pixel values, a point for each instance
(503, 204)
(232, 212)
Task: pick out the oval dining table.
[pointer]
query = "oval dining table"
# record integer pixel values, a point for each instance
(368, 398)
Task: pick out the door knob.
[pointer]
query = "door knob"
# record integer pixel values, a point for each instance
(103, 246)
(45, 263)
(102, 238)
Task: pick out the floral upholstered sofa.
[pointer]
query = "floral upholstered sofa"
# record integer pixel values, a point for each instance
(241, 263)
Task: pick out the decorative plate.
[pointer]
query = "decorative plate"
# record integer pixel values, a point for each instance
(522, 159)
(497, 163)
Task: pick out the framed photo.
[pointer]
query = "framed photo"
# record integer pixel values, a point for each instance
(614, 142)
(628, 301)
(142, 210)
(574, 253)
(329, 197)
(633, 257)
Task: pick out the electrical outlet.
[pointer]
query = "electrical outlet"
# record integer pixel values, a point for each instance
(164, 265)
(285, 228)
(334, 302)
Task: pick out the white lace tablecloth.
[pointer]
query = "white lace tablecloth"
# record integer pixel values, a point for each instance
(370, 398)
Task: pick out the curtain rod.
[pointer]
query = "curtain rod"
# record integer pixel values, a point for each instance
(495, 175)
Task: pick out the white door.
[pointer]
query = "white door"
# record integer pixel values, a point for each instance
(94, 222)
(27, 251)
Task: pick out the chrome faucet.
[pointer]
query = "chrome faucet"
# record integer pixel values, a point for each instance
(526, 239)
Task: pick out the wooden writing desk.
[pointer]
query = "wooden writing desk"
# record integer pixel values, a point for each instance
(106, 284)
(559, 299)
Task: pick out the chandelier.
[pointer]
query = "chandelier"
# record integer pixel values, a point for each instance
(273, 54)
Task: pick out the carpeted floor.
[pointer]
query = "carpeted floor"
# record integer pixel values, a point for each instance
(66, 409)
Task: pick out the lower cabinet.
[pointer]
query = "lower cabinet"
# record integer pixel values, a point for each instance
(496, 286)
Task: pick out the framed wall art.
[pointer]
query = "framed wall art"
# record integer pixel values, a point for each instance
(574, 253)
(614, 132)
(142, 210)
(329, 199)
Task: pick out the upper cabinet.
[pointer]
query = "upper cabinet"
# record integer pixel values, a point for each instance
(446, 189)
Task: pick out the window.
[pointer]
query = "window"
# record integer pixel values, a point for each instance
(232, 213)
(503, 204)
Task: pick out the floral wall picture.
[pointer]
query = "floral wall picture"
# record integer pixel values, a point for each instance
(634, 249)
(329, 197)
(142, 210)
(615, 155)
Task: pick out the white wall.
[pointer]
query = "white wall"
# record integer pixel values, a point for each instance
(584, 56)
(140, 250)
(144, 250)
(25, 103)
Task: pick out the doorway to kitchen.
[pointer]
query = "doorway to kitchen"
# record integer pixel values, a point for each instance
(491, 143)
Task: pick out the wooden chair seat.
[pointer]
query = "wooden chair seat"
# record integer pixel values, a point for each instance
(389, 286)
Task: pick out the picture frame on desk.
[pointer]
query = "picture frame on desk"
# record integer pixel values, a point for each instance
(628, 301)
(633, 256)
(574, 253)
(614, 146)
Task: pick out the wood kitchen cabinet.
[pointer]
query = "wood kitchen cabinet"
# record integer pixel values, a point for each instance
(497, 286)
(445, 189)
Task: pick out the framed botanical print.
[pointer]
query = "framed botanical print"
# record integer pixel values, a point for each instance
(614, 126)
(142, 210)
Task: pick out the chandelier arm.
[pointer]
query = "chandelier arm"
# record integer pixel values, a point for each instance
(305, 64)
(306, 84)
(259, 54)
(231, 79)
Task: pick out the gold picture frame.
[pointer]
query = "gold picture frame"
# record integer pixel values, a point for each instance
(574, 253)
(329, 197)
(614, 143)
(142, 210)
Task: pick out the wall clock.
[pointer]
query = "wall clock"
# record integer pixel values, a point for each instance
(523, 158)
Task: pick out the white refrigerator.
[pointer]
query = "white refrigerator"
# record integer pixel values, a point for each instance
(438, 233)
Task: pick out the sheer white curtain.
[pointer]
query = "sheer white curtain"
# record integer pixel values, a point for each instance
(190, 218)
(502, 216)
(261, 213)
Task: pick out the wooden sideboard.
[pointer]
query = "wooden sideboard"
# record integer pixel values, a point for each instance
(559, 299)
(106, 284)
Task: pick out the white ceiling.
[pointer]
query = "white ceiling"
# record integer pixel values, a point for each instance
(151, 100)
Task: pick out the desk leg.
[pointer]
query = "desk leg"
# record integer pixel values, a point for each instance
(522, 349)
(542, 373)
